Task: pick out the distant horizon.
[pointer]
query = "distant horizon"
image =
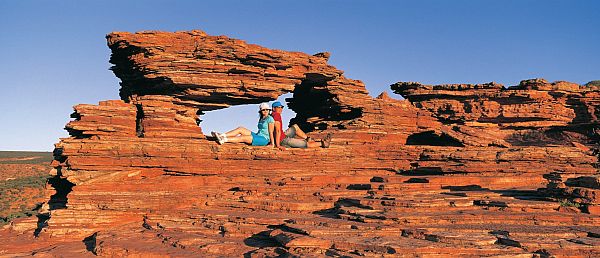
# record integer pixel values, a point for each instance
(55, 54)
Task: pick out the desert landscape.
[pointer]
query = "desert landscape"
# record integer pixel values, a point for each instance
(23, 177)
(445, 170)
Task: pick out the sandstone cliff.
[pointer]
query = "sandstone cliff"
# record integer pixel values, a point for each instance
(456, 169)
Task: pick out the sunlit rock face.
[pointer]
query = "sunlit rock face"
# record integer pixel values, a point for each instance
(213, 72)
(452, 170)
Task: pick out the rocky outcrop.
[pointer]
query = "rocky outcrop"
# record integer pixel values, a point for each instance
(451, 170)
(535, 100)
(213, 72)
(575, 193)
(534, 112)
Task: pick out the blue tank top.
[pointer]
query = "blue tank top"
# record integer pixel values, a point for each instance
(263, 126)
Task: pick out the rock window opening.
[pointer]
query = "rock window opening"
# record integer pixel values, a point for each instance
(224, 120)
(63, 187)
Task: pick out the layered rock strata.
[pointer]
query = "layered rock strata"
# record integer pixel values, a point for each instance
(452, 170)
(581, 193)
(213, 72)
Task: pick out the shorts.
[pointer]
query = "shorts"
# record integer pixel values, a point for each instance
(291, 141)
(259, 140)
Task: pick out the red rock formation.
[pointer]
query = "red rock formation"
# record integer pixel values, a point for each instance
(533, 103)
(578, 192)
(213, 72)
(452, 170)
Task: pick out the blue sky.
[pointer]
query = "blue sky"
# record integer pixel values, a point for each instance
(54, 54)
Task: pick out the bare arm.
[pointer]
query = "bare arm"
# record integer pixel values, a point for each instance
(277, 133)
(272, 142)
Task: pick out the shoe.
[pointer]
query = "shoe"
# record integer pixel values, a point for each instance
(326, 141)
(218, 136)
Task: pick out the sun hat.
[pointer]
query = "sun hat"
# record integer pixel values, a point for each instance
(277, 104)
(264, 106)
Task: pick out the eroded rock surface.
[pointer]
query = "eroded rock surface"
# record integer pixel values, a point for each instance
(452, 170)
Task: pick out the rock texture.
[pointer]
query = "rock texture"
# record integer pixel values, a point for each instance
(452, 170)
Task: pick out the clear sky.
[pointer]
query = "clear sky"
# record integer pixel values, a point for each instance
(53, 54)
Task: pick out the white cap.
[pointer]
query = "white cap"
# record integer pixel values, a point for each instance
(264, 106)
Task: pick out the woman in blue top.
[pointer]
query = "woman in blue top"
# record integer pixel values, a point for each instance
(263, 137)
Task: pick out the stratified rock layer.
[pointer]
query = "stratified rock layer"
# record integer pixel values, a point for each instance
(213, 72)
(452, 170)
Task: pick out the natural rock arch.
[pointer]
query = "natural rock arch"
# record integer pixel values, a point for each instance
(213, 72)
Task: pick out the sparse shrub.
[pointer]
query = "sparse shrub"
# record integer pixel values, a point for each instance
(568, 203)
(12, 204)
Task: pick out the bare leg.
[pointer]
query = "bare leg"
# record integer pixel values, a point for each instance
(299, 133)
(244, 139)
(239, 131)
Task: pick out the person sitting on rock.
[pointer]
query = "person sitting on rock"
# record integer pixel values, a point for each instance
(263, 137)
(293, 137)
